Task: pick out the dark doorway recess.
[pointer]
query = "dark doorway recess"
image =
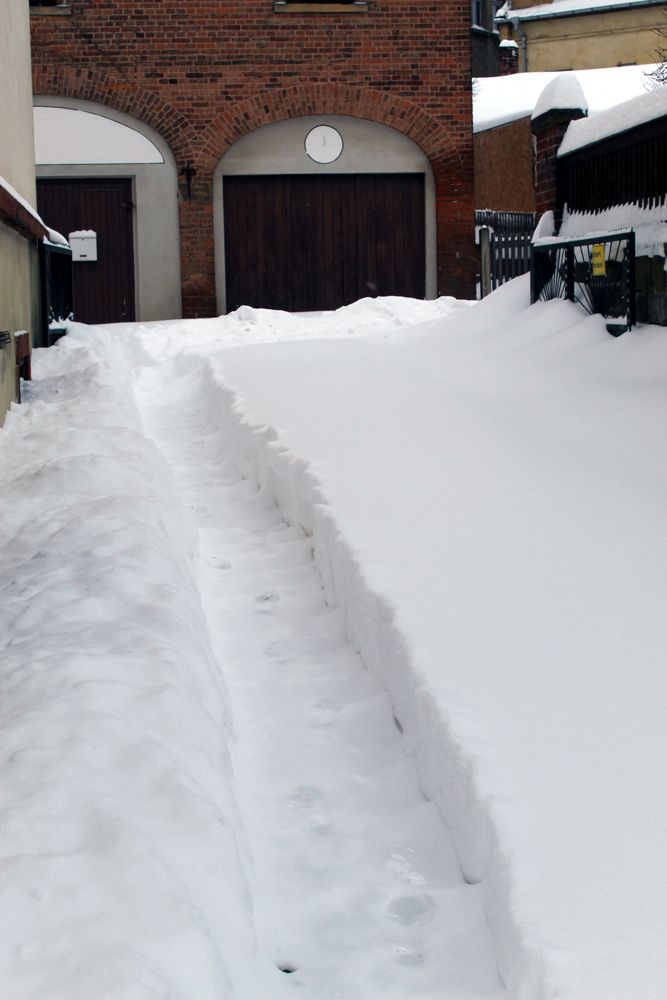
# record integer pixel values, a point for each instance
(304, 242)
(103, 290)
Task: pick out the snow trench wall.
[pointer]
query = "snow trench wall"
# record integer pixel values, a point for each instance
(446, 771)
(119, 831)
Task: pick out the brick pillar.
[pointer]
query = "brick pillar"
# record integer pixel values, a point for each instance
(197, 247)
(548, 131)
(457, 263)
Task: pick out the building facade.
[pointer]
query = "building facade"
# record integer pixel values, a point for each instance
(20, 231)
(582, 34)
(315, 151)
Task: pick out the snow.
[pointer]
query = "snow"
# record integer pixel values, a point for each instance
(649, 223)
(621, 118)
(501, 99)
(203, 782)
(20, 199)
(55, 238)
(68, 135)
(562, 8)
(52, 236)
(562, 93)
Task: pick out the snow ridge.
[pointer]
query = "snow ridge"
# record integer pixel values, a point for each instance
(446, 773)
(118, 826)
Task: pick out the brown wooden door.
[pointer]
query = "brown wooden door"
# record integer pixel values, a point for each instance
(102, 290)
(303, 242)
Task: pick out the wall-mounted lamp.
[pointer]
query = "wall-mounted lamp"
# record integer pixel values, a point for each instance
(5, 339)
(188, 171)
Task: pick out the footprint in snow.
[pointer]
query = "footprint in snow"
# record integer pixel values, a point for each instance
(266, 601)
(303, 797)
(413, 909)
(220, 563)
(326, 712)
(407, 956)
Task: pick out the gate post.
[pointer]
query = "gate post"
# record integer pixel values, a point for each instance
(561, 102)
(484, 261)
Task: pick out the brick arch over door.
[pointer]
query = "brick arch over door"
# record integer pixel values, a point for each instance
(302, 100)
(454, 206)
(202, 143)
(113, 92)
(131, 204)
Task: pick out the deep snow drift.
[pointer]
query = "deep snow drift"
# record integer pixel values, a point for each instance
(483, 495)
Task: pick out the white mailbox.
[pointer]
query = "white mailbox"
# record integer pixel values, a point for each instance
(84, 245)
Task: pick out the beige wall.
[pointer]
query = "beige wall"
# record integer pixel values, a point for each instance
(18, 257)
(17, 157)
(19, 303)
(156, 238)
(590, 41)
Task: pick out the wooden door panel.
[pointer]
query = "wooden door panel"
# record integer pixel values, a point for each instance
(103, 290)
(302, 242)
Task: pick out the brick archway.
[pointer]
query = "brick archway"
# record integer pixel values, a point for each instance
(203, 148)
(456, 261)
(138, 102)
(305, 99)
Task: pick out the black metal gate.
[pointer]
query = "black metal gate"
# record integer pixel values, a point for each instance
(598, 272)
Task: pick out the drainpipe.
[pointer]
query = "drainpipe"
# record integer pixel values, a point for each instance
(523, 44)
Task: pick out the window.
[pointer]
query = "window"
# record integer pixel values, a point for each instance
(50, 6)
(482, 13)
(320, 6)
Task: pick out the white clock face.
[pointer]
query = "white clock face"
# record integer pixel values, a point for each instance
(324, 144)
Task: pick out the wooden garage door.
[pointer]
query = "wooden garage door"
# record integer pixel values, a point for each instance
(300, 242)
(103, 291)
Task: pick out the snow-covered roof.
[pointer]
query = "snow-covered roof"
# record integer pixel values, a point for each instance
(19, 198)
(560, 94)
(501, 99)
(568, 8)
(52, 236)
(613, 121)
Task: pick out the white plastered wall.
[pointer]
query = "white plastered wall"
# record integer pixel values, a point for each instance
(368, 148)
(156, 225)
(19, 279)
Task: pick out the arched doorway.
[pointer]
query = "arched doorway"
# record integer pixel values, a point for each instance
(316, 212)
(101, 171)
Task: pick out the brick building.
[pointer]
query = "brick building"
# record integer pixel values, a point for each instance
(309, 153)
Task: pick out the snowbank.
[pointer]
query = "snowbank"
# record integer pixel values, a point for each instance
(483, 500)
(118, 827)
(483, 493)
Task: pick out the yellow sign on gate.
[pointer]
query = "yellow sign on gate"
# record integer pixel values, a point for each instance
(598, 261)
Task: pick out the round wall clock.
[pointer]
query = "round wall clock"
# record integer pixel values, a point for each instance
(324, 144)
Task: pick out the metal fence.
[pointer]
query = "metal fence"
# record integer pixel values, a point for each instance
(598, 272)
(624, 169)
(504, 242)
(56, 280)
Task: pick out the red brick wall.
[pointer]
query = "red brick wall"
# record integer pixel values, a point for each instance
(504, 169)
(205, 72)
(548, 142)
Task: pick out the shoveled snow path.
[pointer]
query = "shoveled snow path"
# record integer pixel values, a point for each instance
(356, 886)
